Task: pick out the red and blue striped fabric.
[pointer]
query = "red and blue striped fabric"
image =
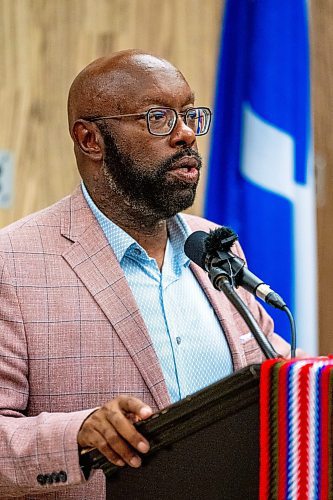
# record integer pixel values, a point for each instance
(296, 429)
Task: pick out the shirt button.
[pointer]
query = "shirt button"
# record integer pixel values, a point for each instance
(137, 251)
(178, 340)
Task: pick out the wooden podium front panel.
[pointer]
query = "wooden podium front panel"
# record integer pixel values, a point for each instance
(218, 461)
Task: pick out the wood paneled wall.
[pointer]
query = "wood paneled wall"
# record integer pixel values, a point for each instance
(322, 86)
(45, 43)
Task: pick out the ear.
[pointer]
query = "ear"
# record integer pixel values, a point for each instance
(88, 137)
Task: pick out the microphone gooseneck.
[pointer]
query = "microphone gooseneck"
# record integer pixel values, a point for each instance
(221, 282)
(212, 252)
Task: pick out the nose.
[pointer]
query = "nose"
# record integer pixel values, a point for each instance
(182, 135)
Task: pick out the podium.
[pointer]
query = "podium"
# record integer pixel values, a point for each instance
(205, 446)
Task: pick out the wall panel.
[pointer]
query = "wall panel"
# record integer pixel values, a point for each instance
(322, 74)
(45, 43)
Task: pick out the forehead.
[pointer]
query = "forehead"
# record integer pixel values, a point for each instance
(143, 85)
(165, 89)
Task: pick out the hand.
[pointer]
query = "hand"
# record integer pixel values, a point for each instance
(110, 429)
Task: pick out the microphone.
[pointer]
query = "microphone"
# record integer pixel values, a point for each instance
(211, 251)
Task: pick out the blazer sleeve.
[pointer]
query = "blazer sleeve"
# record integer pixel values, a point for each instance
(31, 448)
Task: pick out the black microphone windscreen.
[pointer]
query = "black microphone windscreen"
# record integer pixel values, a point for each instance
(195, 248)
(221, 239)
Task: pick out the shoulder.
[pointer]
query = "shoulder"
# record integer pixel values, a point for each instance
(197, 223)
(29, 228)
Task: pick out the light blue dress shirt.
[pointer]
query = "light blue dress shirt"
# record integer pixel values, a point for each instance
(185, 332)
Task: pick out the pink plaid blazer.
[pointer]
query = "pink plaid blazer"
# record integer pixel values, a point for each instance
(72, 338)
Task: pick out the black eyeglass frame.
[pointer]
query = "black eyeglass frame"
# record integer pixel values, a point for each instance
(146, 116)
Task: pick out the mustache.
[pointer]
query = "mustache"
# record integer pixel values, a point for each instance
(168, 164)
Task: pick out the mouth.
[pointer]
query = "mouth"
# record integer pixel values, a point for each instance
(186, 169)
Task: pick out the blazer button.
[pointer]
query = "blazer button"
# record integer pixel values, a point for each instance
(62, 476)
(41, 479)
(49, 478)
(55, 477)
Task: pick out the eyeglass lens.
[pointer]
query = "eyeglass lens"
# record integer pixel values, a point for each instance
(162, 120)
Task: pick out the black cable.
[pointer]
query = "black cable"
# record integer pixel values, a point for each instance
(293, 331)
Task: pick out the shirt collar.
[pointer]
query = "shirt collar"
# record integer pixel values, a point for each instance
(121, 242)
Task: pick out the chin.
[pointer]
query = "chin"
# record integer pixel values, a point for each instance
(176, 203)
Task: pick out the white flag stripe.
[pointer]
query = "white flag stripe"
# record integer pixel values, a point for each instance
(267, 155)
(268, 162)
(306, 268)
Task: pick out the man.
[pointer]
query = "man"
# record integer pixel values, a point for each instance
(103, 319)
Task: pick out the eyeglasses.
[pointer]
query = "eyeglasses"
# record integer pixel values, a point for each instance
(162, 121)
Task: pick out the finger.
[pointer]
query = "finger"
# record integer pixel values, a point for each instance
(97, 440)
(125, 429)
(134, 405)
(98, 430)
(121, 447)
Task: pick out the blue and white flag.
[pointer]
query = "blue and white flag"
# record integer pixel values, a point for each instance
(260, 179)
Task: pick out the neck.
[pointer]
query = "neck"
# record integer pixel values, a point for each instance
(148, 230)
(152, 239)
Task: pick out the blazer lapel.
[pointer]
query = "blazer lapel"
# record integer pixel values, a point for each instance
(94, 262)
(223, 308)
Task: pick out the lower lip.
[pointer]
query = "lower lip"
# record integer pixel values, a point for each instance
(191, 175)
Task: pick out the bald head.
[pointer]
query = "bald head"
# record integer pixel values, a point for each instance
(131, 172)
(108, 85)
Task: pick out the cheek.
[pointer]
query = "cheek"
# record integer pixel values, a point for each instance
(143, 147)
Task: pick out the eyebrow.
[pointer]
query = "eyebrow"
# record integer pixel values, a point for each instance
(161, 102)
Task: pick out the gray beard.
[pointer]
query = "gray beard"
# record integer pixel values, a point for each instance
(148, 193)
